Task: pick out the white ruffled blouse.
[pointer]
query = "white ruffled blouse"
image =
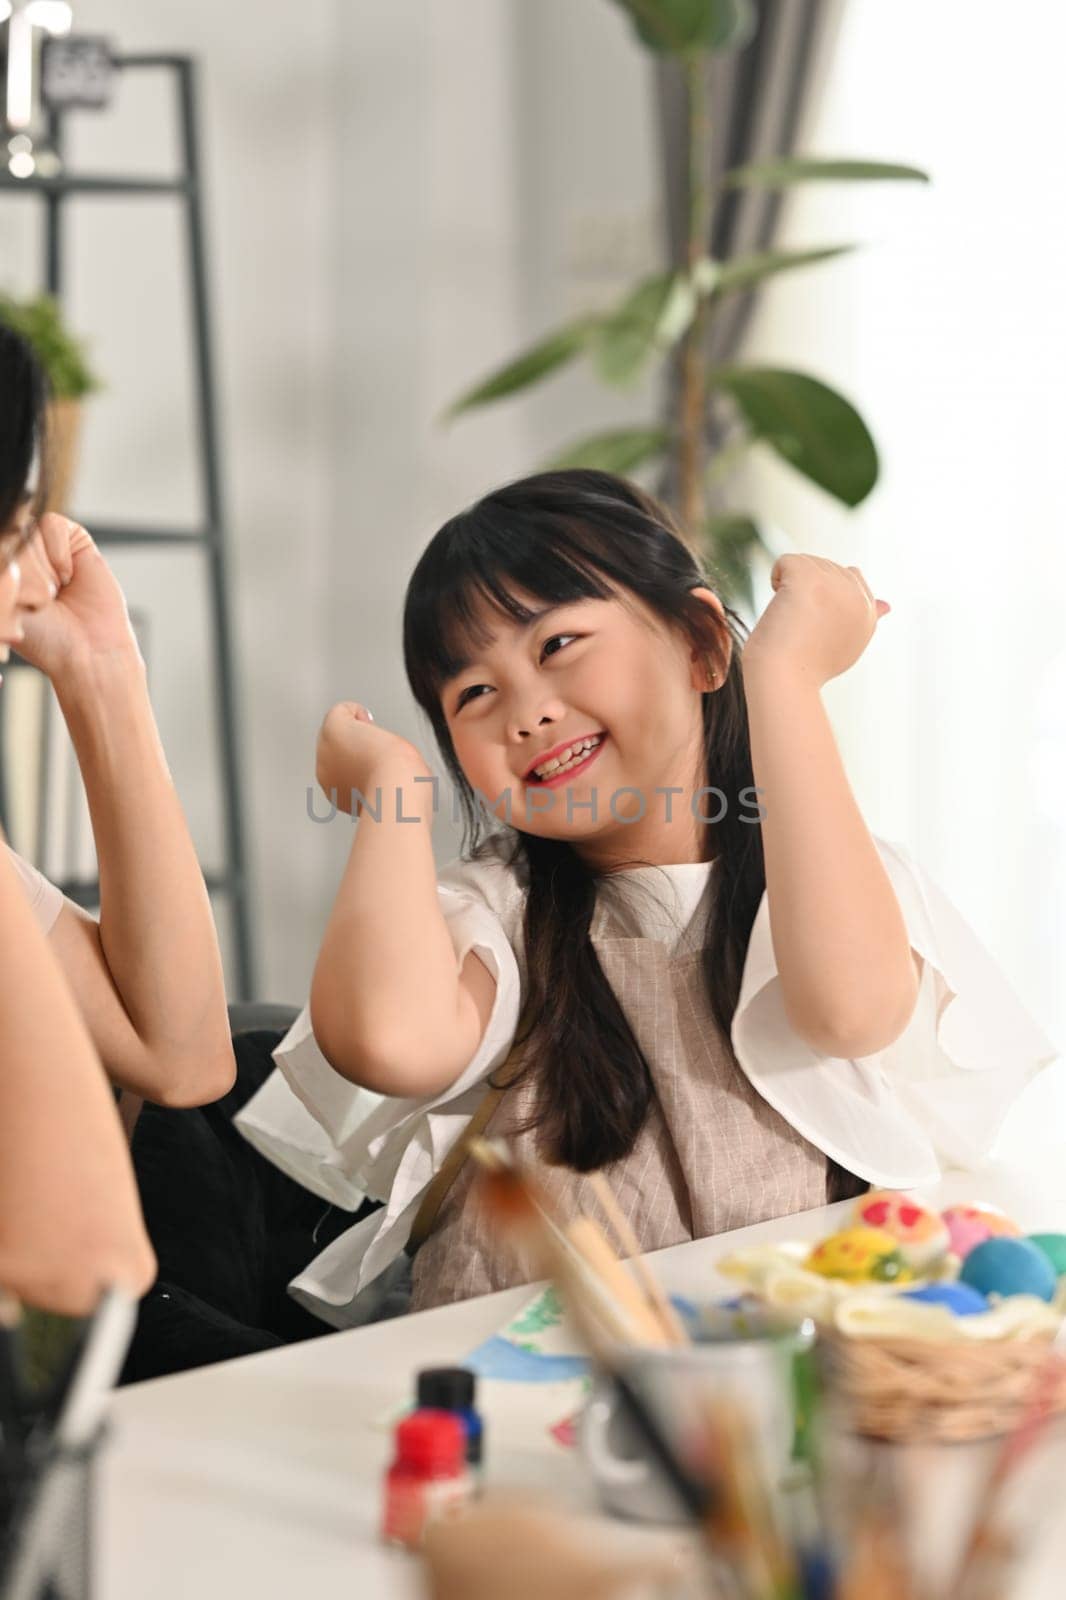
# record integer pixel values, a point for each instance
(935, 1098)
(46, 901)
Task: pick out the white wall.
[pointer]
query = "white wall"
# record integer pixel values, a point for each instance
(269, 118)
(497, 177)
(949, 331)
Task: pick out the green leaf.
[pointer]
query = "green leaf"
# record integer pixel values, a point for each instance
(41, 323)
(622, 450)
(744, 271)
(811, 426)
(676, 27)
(730, 541)
(536, 363)
(653, 317)
(816, 169)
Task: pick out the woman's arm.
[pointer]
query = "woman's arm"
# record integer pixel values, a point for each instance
(390, 1008)
(848, 975)
(70, 1219)
(148, 976)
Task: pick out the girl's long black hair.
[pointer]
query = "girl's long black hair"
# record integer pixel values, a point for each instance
(23, 395)
(563, 536)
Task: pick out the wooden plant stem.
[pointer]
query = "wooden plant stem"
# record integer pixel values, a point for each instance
(693, 398)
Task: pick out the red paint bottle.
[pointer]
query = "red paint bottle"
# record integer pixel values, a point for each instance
(429, 1477)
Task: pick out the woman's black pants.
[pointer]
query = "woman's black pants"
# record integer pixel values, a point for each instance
(229, 1231)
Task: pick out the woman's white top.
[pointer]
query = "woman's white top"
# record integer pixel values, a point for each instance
(46, 901)
(935, 1098)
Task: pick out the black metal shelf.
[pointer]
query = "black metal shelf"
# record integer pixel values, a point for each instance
(62, 186)
(54, 192)
(108, 533)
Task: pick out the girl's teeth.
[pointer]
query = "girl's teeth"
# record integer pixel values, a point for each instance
(570, 757)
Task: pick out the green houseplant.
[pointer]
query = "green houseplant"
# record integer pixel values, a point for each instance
(70, 377)
(667, 318)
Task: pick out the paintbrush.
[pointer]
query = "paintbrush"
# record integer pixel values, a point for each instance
(591, 1245)
(989, 1550)
(743, 1527)
(518, 1205)
(729, 1501)
(673, 1326)
(874, 1563)
(524, 1210)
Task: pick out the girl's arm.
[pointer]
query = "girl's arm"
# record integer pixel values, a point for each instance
(148, 976)
(70, 1219)
(390, 1007)
(848, 976)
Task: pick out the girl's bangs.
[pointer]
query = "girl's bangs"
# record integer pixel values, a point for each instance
(450, 610)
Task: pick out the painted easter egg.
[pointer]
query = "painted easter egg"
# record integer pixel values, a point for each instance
(1053, 1246)
(971, 1225)
(859, 1255)
(1009, 1266)
(959, 1298)
(920, 1233)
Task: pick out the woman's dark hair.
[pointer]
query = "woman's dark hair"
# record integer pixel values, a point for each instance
(23, 396)
(564, 536)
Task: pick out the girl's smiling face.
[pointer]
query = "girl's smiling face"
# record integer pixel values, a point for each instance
(606, 670)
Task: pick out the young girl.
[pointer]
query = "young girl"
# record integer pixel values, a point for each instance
(678, 955)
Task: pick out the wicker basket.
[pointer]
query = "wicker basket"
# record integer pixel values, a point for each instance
(915, 1390)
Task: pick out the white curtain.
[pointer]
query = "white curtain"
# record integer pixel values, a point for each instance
(949, 331)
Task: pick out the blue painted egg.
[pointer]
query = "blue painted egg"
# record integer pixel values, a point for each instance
(1009, 1266)
(959, 1298)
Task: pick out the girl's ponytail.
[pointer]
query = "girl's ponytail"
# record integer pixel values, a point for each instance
(593, 1084)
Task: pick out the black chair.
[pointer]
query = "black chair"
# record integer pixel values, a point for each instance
(229, 1229)
(261, 1016)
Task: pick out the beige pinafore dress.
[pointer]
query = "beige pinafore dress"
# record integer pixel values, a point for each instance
(712, 1154)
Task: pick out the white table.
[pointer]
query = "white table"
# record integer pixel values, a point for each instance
(262, 1477)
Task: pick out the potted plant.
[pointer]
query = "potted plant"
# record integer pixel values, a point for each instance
(667, 317)
(70, 378)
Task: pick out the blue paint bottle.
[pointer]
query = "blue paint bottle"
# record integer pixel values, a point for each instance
(453, 1389)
